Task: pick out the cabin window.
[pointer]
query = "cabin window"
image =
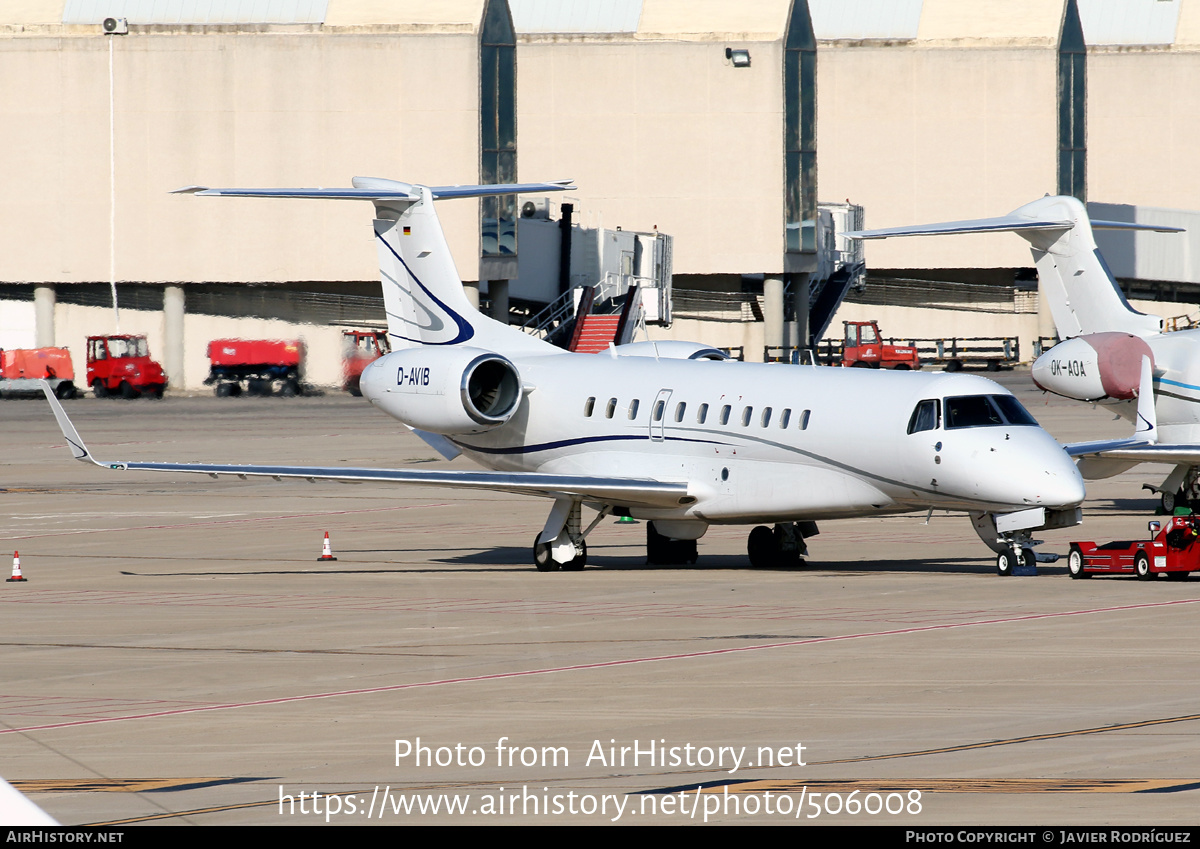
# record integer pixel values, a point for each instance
(612, 408)
(659, 408)
(633, 407)
(747, 414)
(679, 411)
(804, 419)
(766, 416)
(702, 414)
(725, 414)
(588, 406)
(926, 416)
(785, 418)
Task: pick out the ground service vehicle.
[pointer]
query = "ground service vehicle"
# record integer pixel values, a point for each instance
(863, 348)
(1174, 549)
(22, 369)
(266, 366)
(122, 364)
(360, 348)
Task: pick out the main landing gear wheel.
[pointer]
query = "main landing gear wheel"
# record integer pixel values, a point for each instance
(761, 547)
(775, 548)
(1171, 500)
(579, 562)
(541, 556)
(1141, 565)
(1075, 564)
(545, 562)
(663, 551)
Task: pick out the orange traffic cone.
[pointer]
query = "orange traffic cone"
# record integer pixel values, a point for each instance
(16, 575)
(326, 550)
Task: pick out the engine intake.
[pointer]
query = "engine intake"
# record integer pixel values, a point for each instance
(490, 389)
(445, 390)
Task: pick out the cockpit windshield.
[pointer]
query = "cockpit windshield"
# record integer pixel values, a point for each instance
(969, 411)
(132, 347)
(926, 416)
(986, 411)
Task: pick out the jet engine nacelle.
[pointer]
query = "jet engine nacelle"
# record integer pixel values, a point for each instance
(1096, 367)
(445, 390)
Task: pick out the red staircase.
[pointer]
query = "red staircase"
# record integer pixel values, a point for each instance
(595, 334)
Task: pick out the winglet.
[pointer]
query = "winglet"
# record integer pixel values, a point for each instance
(78, 450)
(1147, 420)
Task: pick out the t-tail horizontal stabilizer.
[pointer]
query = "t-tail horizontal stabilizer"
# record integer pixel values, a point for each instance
(422, 290)
(1081, 292)
(380, 189)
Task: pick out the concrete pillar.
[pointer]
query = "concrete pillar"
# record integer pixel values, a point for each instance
(471, 290)
(43, 310)
(773, 310)
(498, 291)
(173, 312)
(800, 305)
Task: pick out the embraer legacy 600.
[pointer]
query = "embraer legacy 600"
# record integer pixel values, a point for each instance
(671, 432)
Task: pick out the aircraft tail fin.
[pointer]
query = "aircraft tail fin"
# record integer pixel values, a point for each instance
(422, 291)
(1082, 294)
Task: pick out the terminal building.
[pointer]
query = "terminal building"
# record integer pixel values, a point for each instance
(747, 134)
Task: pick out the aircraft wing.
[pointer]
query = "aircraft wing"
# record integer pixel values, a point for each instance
(610, 490)
(1137, 451)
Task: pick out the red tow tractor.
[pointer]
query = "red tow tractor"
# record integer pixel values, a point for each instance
(862, 347)
(360, 349)
(1173, 549)
(122, 364)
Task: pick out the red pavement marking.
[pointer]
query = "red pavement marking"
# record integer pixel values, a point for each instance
(231, 521)
(608, 664)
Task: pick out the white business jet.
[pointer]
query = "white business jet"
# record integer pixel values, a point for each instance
(1113, 354)
(665, 432)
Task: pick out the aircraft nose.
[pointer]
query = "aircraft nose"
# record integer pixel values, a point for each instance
(1064, 485)
(1057, 480)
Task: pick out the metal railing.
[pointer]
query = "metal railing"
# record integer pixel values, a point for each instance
(953, 352)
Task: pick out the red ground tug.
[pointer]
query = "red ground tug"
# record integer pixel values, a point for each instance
(360, 348)
(1173, 548)
(863, 347)
(122, 364)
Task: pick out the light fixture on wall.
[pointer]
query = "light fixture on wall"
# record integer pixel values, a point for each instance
(739, 58)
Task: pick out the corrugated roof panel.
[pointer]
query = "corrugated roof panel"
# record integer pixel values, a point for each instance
(31, 12)
(598, 16)
(440, 16)
(865, 19)
(714, 20)
(1129, 21)
(197, 11)
(991, 20)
